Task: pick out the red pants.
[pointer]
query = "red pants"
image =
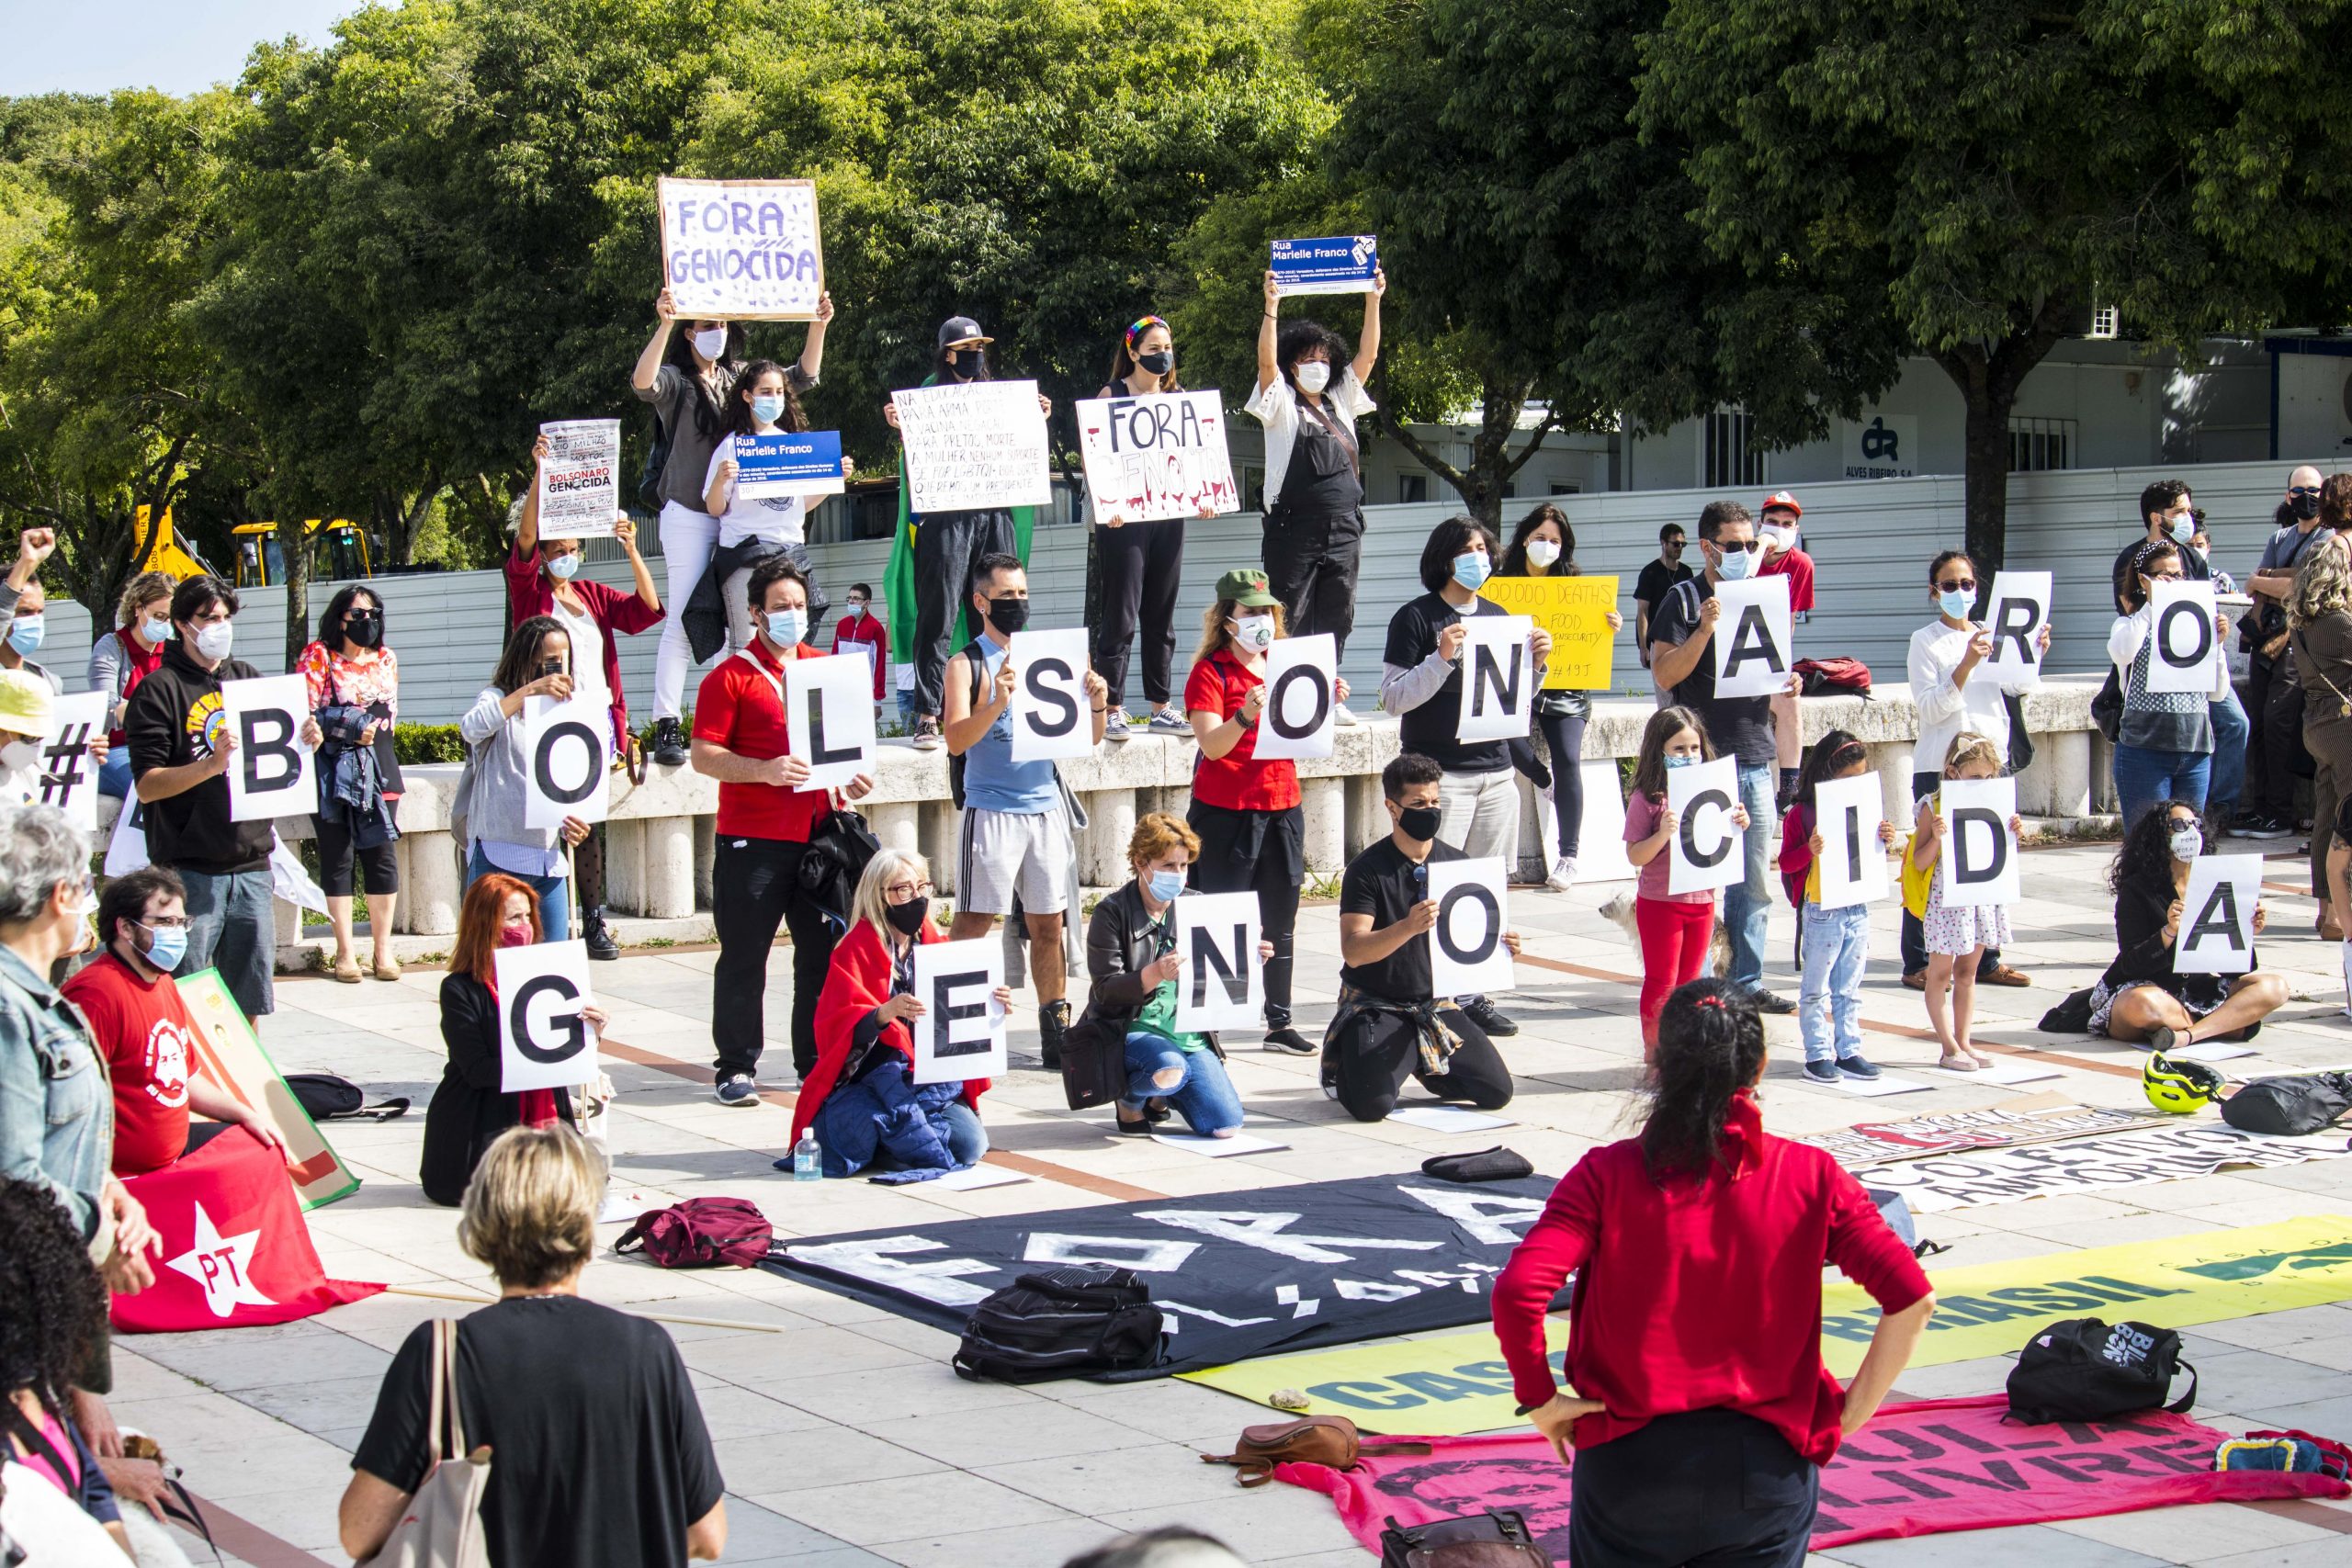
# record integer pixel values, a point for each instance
(1674, 952)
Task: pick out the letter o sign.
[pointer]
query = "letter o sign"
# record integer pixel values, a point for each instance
(1278, 710)
(545, 747)
(2168, 645)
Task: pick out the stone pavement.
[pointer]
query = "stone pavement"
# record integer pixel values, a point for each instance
(846, 1439)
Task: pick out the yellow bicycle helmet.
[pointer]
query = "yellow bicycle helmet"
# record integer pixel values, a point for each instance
(2180, 1087)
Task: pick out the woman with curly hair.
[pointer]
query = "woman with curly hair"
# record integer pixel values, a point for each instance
(2319, 631)
(55, 1306)
(2140, 1000)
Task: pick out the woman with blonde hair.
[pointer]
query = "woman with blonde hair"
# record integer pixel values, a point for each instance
(861, 1099)
(2319, 632)
(126, 656)
(600, 1457)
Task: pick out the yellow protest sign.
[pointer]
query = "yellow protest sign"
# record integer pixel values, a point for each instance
(1575, 610)
(1454, 1383)
(232, 1056)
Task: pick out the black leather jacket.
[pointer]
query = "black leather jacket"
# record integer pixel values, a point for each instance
(1122, 940)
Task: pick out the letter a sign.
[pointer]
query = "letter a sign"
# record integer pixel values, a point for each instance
(2217, 916)
(270, 772)
(1751, 642)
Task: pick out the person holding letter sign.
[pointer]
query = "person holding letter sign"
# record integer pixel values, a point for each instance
(2165, 740)
(1676, 929)
(1134, 966)
(1390, 1026)
(2168, 515)
(1956, 934)
(1837, 946)
(1247, 810)
(181, 751)
(1014, 841)
(2144, 1000)
(743, 738)
(353, 682)
(1426, 678)
(1544, 545)
(496, 787)
(468, 1109)
(861, 1098)
(1682, 665)
(751, 528)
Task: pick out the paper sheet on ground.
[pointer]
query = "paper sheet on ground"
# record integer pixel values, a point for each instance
(1447, 1118)
(2089, 1165)
(1220, 1148)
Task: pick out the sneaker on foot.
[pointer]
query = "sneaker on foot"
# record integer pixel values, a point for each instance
(669, 743)
(738, 1088)
(1857, 1066)
(1491, 1023)
(1563, 875)
(1345, 717)
(1821, 1072)
(926, 736)
(1167, 721)
(1118, 726)
(1290, 1040)
(2260, 826)
(1770, 1001)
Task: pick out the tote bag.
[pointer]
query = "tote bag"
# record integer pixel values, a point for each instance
(441, 1526)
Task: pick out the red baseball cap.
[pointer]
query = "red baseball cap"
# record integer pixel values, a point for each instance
(1780, 499)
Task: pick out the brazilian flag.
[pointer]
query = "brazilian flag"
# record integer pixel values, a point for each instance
(898, 577)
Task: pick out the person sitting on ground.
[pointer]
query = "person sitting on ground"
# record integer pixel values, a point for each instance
(1132, 959)
(861, 1098)
(600, 1457)
(1699, 1433)
(1168, 1546)
(2141, 1000)
(142, 1023)
(470, 1109)
(56, 1309)
(1389, 1026)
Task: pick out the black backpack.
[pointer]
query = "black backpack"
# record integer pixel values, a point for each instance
(1076, 1321)
(2286, 1106)
(1496, 1539)
(2084, 1370)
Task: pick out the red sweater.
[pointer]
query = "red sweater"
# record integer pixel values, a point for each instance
(855, 630)
(1699, 1294)
(616, 614)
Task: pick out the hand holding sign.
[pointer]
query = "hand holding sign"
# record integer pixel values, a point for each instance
(1342, 263)
(1497, 678)
(2018, 618)
(271, 772)
(1159, 457)
(1852, 860)
(568, 746)
(546, 1017)
(2217, 924)
(2186, 629)
(578, 479)
(742, 249)
(1706, 845)
(828, 717)
(1471, 945)
(1297, 719)
(1980, 850)
(69, 778)
(1052, 717)
(1219, 982)
(972, 445)
(960, 1033)
(1751, 643)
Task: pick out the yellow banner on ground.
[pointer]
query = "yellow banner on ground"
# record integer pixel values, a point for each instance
(1453, 1384)
(1575, 610)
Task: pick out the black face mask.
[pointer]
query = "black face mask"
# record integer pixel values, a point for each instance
(964, 366)
(368, 633)
(1419, 822)
(1159, 364)
(2306, 507)
(1007, 615)
(906, 919)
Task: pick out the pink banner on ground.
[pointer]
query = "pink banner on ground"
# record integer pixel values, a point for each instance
(235, 1251)
(1936, 1464)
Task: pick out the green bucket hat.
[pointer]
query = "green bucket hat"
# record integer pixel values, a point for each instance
(1247, 589)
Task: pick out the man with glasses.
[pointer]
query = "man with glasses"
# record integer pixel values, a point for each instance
(1683, 667)
(1657, 581)
(143, 1028)
(2275, 757)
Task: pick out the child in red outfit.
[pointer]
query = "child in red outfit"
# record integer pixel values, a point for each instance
(1675, 927)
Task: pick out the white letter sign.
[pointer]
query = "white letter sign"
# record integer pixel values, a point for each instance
(1706, 845)
(69, 775)
(973, 445)
(1980, 853)
(1297, 721)
(2189, 648)
(1498, 678)
(568, 754)
(828, 716)
(2217, 916)
(1156, 456)
(271, 773)
(1052, 716)
(2021, 608)
(1852, 861)
(1222, 984)
(1466, 953)
(579, 480)
(543, 1043)
(961, 1033)
(1751, 644)
(742, 249)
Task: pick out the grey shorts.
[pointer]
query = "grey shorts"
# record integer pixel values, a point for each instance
(1000, 853)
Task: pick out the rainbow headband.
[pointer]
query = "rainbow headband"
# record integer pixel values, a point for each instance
(1143, 326)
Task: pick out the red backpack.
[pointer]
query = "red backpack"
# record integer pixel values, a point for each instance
(701, 1233)
(1834, 677)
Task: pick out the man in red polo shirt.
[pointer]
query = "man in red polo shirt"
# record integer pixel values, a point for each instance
(139, 1019)
(1785, 556)
(764, 820)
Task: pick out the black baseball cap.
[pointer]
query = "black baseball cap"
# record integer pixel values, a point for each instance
(960, 330)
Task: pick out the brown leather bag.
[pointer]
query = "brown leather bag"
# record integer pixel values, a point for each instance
(1330, 1441)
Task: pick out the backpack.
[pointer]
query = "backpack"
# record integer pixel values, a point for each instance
(700, 1233)
(328, 1097)
(1495, 1538)
(839, 848)
(2083, 1369)
(1331, 1442)
(973, 653)
(1080, 1320)
(2312, 1102)
(1835, 677)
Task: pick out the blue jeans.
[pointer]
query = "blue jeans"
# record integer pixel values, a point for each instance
(555, 907)
(1745, 903)
(2229, 732)
(906, 712)
(114, 774)
(966, 1139)
(1836, 946)
(2144, 777)
(232, 927)
(1203, 1097)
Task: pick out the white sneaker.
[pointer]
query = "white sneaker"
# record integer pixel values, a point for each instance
(1345, 717)
(1118, 726)
(1563, 875)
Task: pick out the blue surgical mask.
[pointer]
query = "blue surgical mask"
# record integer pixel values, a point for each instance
(166, 945)
(2183, 528)
(1166, 884)
(1736, 564)
(561, 567)
(157, 630)
(1956, 604)
(785, 628)
(24, 633)
(1471, 570)
(1680, 758)
(767, 410)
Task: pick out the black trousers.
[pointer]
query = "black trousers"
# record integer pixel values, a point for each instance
(1710, 1487)
(1378, 1051)
(1140, 565)
(947, 545)
(1915, 930)
(754, 887)
(1311, 568)
(1262, 853)
(1565, 734)
(379, 866)
(2275, 757)
(588, 866)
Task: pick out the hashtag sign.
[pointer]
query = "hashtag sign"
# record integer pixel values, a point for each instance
(68, 757)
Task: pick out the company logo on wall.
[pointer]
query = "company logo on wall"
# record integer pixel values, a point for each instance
(1882, 446)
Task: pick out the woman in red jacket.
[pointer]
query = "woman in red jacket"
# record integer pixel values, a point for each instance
(1697, 1400)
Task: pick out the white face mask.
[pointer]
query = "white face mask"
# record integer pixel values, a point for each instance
(1542, 552)
(213, 640)
(1313, 375)
(1781, 538)
(712, 344)
(1255, 633)
(18, 755)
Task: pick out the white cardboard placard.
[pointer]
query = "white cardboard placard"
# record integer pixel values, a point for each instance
(568, 759)
(1706, 846)
(2189, 648)
(1852, 861)
(961, 1033)
(579, 482)
(1600, 845)
(272, 773)
(1466, 953)
(1980, 854)
(1222, 984)
(1298, 719)
(1751, 646)
(2018, 610)
(2216, 934)
(974, 444)
(69, 778)
(1052, 716)
(543, 1043)
(1156, 456)
(828, 716)
(1498, 678)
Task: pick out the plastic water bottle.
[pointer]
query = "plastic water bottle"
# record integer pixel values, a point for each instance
(805, 1157)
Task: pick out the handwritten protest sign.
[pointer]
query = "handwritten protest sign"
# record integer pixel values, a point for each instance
(742, 249)
(579, 480)
(974, 445)
(1156, 456)
(806, 462)
(1575, 610)
(1342, 265)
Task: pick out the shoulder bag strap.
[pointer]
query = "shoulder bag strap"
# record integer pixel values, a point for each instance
(1345, 438)
(2181, 1406)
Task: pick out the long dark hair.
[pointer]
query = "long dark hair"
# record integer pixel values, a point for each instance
(1449, 539)
(1832, 753)
(738, 404)
(1514, 561)
(709, 413)
(1710, 1046)
(1650, 763)
(55, 1302)
(1123, 357)
(330, 618)
(2146, 854)
(2128, 596)
(519, 665)
(1301, 335)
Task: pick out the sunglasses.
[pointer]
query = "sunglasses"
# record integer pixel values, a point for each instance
(1965, 586)
(2302, 489)
(1744, 546)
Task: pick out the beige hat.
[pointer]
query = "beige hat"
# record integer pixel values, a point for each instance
(26, 708)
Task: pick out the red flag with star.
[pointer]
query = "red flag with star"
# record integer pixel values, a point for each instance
(235, 1251)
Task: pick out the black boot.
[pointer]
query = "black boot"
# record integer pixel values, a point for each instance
(598, 935)
(1053, 1021)
(669, 743)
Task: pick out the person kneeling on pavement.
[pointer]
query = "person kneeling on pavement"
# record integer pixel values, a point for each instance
(1388, 1026)
(861, 1099)
(1132, 959)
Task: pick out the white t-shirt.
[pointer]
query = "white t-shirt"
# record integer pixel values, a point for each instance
(1945, 710)
(1277, 409)
(587, 652)
(779, 520)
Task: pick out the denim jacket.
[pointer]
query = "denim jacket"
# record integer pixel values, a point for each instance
(56, 1107)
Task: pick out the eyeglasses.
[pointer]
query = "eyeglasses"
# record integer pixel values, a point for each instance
(899, 892)
(164, 923)
(1671, 545)
(351, 616)
(1744, 546)
(1967, 587)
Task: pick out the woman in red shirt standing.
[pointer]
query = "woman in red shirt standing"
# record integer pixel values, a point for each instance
(1253, 835)
(1699, 1426)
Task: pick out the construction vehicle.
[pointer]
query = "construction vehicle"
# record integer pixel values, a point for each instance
(339, 552)
(155, 547)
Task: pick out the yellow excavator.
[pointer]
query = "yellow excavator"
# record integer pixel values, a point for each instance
(341, 546)
(154, 547)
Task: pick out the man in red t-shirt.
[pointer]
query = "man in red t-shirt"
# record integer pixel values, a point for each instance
(139, 1019)
(862, 631)
(764, 820)
(1784, 556)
